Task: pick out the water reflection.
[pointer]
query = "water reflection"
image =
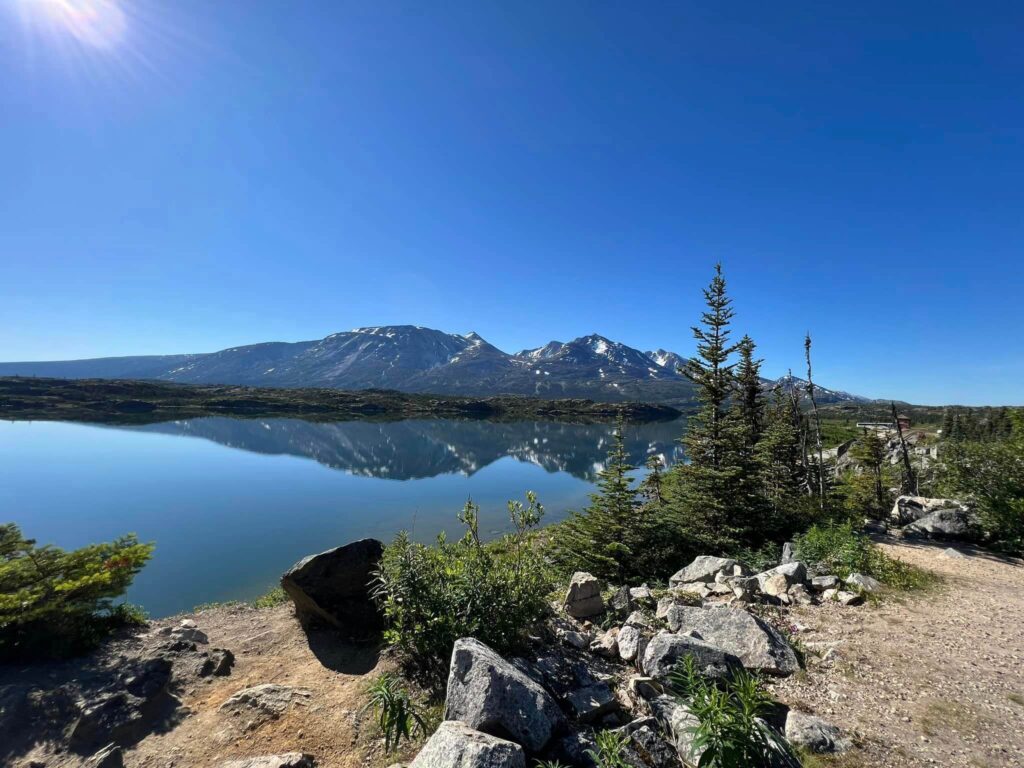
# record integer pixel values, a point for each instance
(414, 449)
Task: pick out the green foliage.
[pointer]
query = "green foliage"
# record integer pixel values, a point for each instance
(271, 598)
(991, 474)
(731, 731)
(397, 716)
(840, 549)
(55, 603)
(609, 750)
(865, 491)
(433, 595)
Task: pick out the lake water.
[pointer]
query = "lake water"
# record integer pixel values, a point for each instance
(232, 503)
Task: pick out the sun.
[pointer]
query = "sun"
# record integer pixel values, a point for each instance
(95, 23)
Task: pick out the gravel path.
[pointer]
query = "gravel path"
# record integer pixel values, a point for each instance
(927, 679)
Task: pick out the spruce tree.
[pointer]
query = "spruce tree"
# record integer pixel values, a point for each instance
(779, 455)
(869, 452)
(750, 401)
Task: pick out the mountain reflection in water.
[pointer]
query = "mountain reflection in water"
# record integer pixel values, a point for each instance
(414, 449)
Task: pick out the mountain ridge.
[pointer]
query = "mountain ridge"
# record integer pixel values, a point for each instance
(416, 359)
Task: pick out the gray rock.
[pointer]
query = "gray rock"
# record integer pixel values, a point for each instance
(218, 663)
(953, 554)
(574, 749)
(647, 749)
(560, 673)
(286, 760)
(109, 756)
(787, 553)
(849, 598)
(794, 572)
(622, 601)
(593, 702)
(775, 585)
(632, 642)
(830, 594)
(573, 638)
(583, 598)
(264, 702)
(665, 649)
(909, 509)
(703, 568)
(757, 644)
(799, 595)
(814, 734)
(334, 588)
(943, 524)
(456, 745)
(821, 583)
(189, 635)
(641, 593)
(489, 694)
(680, 724)
(607, 644)
(863, 582)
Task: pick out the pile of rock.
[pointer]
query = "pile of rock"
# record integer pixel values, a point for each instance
(549, 703)
(932, 518)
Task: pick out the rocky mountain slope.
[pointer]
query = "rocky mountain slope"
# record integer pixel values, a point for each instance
(415, 359)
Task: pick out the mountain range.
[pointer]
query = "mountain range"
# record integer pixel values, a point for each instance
(414, 359)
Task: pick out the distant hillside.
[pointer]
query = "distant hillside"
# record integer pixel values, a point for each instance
(414, 359)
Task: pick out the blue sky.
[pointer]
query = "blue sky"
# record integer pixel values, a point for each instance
(186, 176)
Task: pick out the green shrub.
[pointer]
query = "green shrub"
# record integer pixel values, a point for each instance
(397, 716)
(271, 598)
(55, 603)
(839, 548)
(433, 595)
(608, 751)
(731, 732)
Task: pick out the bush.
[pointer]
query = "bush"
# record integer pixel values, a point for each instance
(397, 715)
(271, 598)
(432, 596)
(731, 731)
(839, 548)
(55, 603)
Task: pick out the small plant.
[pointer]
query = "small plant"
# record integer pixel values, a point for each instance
(270, 598)
(608, 752)
(731, 732)
(549, 764)
(397, 715)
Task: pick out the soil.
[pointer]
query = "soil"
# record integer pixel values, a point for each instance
(930, 678)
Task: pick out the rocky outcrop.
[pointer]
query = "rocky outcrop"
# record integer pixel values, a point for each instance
(666, 649)
(702, 569)
(333, 588)
(943, 524)
(757, 644)
(909, 509)
(287, 760)
(261, 703)
(814, 734)
(110, 756)
(491, 695)
(583, 599)
(456, 745)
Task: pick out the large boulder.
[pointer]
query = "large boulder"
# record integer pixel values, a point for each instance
(456, 745)
(334, 588)
(814, 734)
(757, 644)
(491, 695)
(583, 599)
(863, 582)
(909, 509)
(943, 524)
(666, 649)
(703, 569)
(680, 724)
(794, 572)
(287, 760)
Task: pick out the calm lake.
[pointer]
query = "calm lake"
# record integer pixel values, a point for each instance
(232, 503)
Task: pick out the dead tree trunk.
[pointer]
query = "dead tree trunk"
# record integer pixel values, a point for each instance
(909, 477)
(817, 425)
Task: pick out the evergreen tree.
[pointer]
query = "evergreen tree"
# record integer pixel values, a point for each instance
(947, 423)
(869, 452)
(750, 401)
(779, 455)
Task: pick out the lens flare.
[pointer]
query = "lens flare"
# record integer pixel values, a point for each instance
(97, 23)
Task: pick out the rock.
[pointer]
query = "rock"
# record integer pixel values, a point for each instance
(218, 663)
(665, 649)
(647, 749)
(757, 644)
(622, 601)
(794, 572)
(942, 524)
(456, 745)
(909, 509)
(775, 585)
(559, 673)
(863, 583)
(334, 588)
(814, 734)
(263, 702)
(821, 583)
(849, 598)
(680, 724)
(953, 554)
(703, 569)
(641, 593)
(642, 687)
(799, 595)
(593, 702)
(583, 599)
(108, 757)
(696, 590)
(287, 760)
(607, 644)
(489, 694)
(573, 638)
(639, 620)
(574, 749)
(189, 635)
(787, 553)
(829, 594)
(632, 642)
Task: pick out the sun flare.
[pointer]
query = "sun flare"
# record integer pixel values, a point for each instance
(95, 23)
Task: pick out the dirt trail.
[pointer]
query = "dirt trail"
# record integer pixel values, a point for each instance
(928, 679)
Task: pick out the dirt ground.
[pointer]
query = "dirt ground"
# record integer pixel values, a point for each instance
(927, 679)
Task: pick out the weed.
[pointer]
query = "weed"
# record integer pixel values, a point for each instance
(398, 717)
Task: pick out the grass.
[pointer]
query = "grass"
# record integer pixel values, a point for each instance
(1016, 698)
(271, 598)
(943, 716)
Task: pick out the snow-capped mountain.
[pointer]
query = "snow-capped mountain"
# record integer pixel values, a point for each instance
(789, 382)
(416, 359)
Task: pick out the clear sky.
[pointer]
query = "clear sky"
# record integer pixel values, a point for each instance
(186, 175)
